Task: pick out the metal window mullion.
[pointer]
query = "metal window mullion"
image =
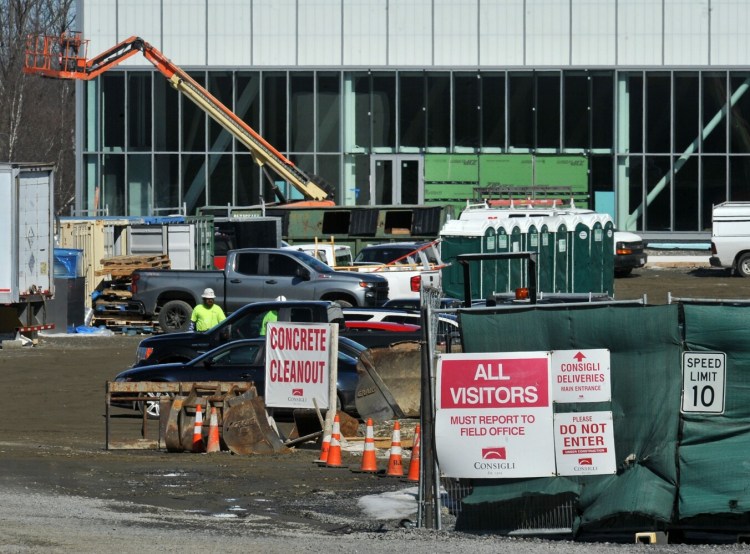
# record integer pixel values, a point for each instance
(481, 111)
(152, 191)
(561, 133)
(315, 122)
(233, 149)
(396, 101)
(506, 124)
(728, 134)
(644, 134)
(700, 139)
(672, 154)
(451, 93)
(126, 126)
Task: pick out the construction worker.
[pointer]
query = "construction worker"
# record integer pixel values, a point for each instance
(208, 314)
(270, 317)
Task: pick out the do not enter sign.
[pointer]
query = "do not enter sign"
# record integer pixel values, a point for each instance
(703, 382)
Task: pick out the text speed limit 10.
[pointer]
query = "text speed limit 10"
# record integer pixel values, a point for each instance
(703, 382)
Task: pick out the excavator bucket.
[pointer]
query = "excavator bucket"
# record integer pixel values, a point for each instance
(246, 429)
(389, 382)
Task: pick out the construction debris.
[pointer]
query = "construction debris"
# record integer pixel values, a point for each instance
(124, 266)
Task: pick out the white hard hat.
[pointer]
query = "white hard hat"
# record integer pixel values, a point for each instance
(281, 298)
(208, 293)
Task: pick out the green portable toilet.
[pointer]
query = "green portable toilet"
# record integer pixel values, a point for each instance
(502, 267)
(597, 261)
(517, 276)
(608, 258)
(464, 237)
(489, 267)
(531, 234)
(581, 270)
(546, 260)
(559, 230)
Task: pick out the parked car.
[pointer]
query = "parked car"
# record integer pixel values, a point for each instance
(245, 323)
(447, 323)
(251, 275)
(242, 360)
(629, 253)
(374, 334)
(414, 304)
(412, 253)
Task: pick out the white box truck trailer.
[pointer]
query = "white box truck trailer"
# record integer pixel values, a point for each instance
(730, 237)
(26, 247)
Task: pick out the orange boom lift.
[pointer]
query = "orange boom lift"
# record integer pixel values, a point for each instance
(65, 57)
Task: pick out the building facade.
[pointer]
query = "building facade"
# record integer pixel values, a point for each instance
(650, 94)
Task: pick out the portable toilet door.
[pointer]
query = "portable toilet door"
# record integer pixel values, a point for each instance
(597, 261)
(489, 267)
(545, 262)
(462, 237)
(502, 267)
(583, 276)
(560, 228)
(517, 275)
(523, 225)
(608, 258)
(532, 242)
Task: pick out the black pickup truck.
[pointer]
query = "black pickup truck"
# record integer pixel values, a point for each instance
(244, 323)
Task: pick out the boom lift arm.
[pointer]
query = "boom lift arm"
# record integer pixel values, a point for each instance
(64, 57)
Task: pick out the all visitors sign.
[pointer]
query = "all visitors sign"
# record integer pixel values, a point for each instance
(495, 414)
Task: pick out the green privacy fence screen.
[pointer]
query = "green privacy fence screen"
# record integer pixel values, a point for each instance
(675, 472)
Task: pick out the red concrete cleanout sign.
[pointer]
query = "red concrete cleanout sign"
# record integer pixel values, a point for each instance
(297, 365)
(494, 415)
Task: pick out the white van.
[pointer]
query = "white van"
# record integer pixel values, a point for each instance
(730, 237)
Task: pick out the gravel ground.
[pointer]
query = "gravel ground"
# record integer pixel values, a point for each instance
(61, 491)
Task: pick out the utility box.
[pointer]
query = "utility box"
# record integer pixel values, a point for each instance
(26, 245)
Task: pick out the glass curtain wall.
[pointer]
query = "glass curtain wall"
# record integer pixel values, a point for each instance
(667, 144)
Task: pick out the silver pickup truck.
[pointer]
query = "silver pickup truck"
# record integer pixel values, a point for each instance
(252, 275)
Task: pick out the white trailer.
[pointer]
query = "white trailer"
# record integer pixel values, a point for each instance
(26, 247)
(730, 237)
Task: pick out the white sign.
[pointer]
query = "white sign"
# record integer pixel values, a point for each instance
(297, 364)
(581, 375)
(494, 415)
(703, 382)
(585, 443)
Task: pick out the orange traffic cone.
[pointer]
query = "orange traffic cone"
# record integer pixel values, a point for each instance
(414, 464)
(198, 430)
(213, 432)
(325, 447)
(334, 452)
(395, 462)
(369, 463)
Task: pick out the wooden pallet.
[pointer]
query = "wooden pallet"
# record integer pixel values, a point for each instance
(124, 266)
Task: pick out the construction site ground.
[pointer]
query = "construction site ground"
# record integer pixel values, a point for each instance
(60, 490)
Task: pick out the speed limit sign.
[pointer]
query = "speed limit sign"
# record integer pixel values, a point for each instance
(703, 382)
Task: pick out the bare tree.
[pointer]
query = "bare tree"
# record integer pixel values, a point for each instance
(37, 116)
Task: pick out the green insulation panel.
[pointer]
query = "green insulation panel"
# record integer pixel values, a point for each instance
(506, 170)
(451, 168)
